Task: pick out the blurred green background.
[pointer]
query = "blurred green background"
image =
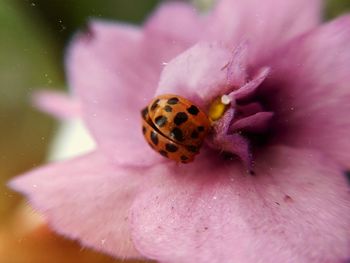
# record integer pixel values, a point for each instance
(33, 35)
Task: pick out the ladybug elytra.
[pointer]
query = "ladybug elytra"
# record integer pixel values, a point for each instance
(174, 127)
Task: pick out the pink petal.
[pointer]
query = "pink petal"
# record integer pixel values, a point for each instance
(230, 143)
(199, 74)
(256, 123)
(237, 67)
(249, 89)
(87, 199)
(166, 36)
(165, 23)
(309, 90)
(222, 125)
(108, 71)
(266, 24)
(239, 146)
(249, 109)
(57, 104)
(295, 209)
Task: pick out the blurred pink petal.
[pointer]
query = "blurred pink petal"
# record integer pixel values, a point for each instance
(57, 104)
(164, 23)
(311, 90)
(86, 198)
(266, 25)
(165, 35)
(278, 215)
(113, 85)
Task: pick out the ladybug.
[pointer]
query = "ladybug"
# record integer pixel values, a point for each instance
(174, 127)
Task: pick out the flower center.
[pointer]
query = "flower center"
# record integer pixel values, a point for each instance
(218, 107)
(237, 119)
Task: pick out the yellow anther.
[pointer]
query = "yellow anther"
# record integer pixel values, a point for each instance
(218, 107)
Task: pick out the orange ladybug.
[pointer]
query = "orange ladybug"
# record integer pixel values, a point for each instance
(174, 127)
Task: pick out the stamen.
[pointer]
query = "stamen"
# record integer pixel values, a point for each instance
(225, 100)
(218, 107)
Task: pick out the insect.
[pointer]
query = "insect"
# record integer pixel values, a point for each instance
(174, 127)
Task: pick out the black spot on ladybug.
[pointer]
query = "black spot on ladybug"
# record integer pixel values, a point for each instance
(155, 104)
(144, 113)
(154, 137)
(164, 153)
(194, 135)
(144, 129)
(180, 118)
(183, 158)
(167, 108)
(200, 128)
(173, 101)
(177, 134)
(161, 121)
(193, 110)
(192, 148)
(171, 147)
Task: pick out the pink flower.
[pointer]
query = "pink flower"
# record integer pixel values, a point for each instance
(287, 78)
